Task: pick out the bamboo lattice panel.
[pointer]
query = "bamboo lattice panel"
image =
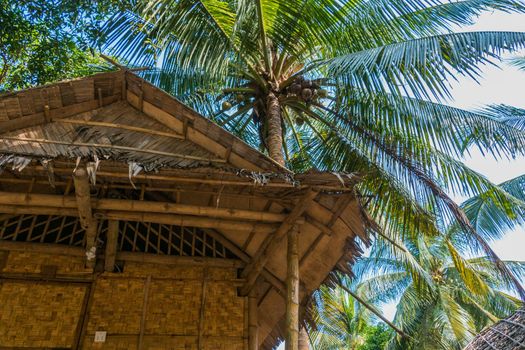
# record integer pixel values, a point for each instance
(134, 236)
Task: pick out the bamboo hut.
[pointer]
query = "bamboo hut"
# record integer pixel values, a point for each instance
(507, 334)
(129, 221)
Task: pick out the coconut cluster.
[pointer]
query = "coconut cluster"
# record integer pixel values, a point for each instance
(305, 89)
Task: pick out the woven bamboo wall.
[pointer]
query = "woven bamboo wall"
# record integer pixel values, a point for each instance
(172, 307)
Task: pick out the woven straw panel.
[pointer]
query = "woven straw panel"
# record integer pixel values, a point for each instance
(39, 315)
(32, 262)
(223, 311)
(116, 306)
(173, 308)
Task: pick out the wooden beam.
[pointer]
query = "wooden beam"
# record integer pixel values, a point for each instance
(111, 245)
(178, 260)
(272, 244)
(85, 213)
(45, 248)
(292, 291)
(253, 321)
(168, 219)
(87, 205)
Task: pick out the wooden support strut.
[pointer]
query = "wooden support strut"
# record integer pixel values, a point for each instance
(292, 291)
(272, 244)
(88, 223)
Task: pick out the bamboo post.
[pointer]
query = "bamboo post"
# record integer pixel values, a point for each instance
(253, 341)
(292, 291)
(111, 246)
(304, 342)
(85, 213)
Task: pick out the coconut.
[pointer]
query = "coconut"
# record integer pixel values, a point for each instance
(299, 121)
(306, 94)
(239, 97)
(295, 88)
(322, 93)
(226, 105)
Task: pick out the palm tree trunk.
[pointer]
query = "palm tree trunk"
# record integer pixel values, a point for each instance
(274, 140)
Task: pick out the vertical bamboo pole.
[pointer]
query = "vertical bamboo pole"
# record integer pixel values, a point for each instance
(292, 291)
(253, 341)
(304, 342)
(89, 224)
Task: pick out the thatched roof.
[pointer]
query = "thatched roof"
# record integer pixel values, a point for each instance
(154, 160)
(507, 334)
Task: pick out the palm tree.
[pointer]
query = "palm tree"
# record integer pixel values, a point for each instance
(443, 299)
(337, 325)
(341, 85)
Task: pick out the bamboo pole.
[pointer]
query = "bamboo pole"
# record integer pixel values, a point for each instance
(82, 194)
(253, 328)
(292, 291)
(272, 244)
(111, 245)
(86, 205)
(85, 213)
(168, 219)
(304, 341)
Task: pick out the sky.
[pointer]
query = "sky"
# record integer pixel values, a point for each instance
(498, 85)
(505, 85)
